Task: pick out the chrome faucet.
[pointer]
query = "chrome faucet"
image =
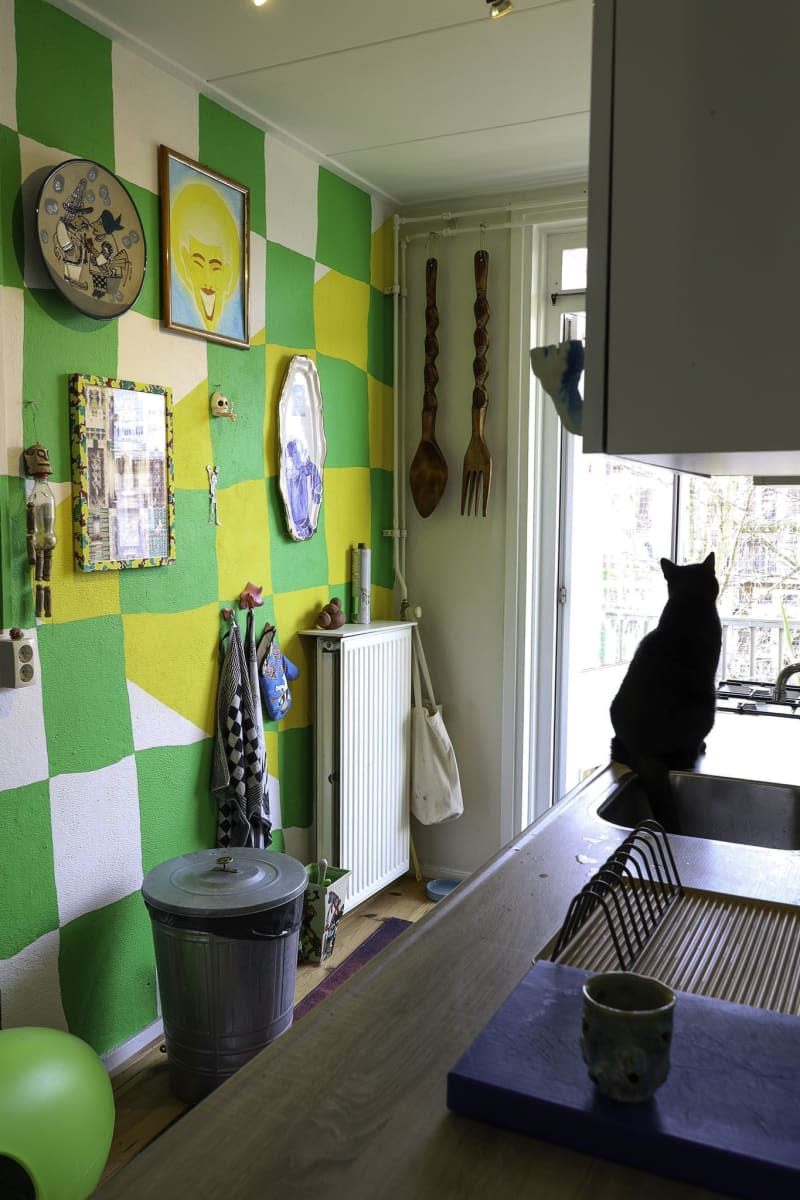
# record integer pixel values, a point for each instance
(779, 691)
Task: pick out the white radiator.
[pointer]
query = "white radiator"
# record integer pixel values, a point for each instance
(362, 717)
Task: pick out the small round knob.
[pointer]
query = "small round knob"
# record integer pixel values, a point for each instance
(222, 864)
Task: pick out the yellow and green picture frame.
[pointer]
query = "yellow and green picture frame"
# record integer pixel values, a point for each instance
(123, 493)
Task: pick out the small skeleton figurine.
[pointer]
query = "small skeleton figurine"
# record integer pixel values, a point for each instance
(213, 472)
(41, 518)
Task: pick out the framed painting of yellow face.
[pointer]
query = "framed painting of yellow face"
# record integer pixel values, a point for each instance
(205, 251)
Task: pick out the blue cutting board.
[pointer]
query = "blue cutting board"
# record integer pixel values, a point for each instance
(727, 1118)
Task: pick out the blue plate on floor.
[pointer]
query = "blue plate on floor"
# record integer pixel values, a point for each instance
(437, 889)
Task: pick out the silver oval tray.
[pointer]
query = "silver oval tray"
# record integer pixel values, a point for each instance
(302, 447)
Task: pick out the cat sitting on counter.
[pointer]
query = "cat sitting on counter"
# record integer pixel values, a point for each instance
(666, 703)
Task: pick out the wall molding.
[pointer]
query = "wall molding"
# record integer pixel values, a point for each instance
(117, 1059)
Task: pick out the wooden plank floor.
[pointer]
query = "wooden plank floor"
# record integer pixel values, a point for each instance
(145, 1105)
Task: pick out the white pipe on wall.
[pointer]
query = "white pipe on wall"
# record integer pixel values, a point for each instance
(400, 292)
(403, 396)
(451, 233)
(490, 562)
(537, 205)
(536, 211)
(396, 533)
(398, 530)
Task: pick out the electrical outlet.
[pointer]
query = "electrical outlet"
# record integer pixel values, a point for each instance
(17, 662)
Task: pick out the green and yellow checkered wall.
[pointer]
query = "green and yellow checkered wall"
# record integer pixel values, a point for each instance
(105, 763)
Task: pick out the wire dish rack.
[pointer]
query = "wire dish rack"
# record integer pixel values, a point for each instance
(634, 913)
(633, 890)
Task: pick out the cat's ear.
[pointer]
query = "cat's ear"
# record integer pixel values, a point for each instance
(709, 561)
(668, 568)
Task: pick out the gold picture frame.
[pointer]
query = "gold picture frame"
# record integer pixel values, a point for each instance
(123, 494)
(205, 251)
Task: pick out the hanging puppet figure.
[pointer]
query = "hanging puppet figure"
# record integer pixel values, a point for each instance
(41, 516)
(213, 475)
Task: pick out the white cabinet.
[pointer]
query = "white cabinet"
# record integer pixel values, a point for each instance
(694, 235)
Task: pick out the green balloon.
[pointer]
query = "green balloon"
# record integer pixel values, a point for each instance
(56, 1112)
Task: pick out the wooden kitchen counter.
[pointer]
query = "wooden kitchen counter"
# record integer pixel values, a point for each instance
(350, 1102)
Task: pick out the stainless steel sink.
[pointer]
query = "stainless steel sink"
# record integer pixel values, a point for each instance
(709, 806)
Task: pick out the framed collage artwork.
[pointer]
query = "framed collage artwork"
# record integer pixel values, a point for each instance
(123, 499)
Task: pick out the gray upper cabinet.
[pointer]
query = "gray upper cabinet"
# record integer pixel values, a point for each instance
(693, 301)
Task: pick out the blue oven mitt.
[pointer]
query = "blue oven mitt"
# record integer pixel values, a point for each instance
(275, 672)
(558, 369)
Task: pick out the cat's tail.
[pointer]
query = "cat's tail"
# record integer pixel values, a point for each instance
(620, 752)
(654, 776)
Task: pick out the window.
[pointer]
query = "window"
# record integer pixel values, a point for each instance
(754, 531)
(573, 269)
(617, 519)
(622, 520)
(616, 523)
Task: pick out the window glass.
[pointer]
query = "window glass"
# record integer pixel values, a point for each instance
(754, 531)
(621, 529)
(573, 269)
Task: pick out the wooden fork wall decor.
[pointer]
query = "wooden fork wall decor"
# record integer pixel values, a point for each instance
(477, 476)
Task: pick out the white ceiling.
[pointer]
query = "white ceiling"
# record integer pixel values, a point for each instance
(416, 99)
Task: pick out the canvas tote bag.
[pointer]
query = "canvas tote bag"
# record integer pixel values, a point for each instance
(435, 784)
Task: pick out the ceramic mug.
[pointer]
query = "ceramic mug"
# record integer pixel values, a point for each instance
(626, 1033)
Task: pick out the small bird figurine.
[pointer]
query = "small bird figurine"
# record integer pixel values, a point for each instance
(558, 369)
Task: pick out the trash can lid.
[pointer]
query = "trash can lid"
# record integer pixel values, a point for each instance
(224, 883)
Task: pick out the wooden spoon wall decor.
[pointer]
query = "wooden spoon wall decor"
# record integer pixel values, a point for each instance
(428, 473)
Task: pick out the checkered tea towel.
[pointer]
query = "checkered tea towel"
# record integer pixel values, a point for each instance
(239, 768)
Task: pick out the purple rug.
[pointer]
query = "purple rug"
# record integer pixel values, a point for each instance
(376, 941)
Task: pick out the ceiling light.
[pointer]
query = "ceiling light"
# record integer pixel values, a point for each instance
(499, 8)
(259, 3)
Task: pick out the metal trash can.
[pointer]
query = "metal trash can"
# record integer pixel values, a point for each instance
(225, 930)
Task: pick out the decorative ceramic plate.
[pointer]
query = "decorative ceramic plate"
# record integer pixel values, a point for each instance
(303, 447)
(91, 238)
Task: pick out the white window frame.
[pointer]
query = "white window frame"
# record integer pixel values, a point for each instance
(548, 465)
(555, 455)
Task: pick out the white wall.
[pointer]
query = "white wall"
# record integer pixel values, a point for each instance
(463, 570)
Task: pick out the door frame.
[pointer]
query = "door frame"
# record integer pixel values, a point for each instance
(550, 518)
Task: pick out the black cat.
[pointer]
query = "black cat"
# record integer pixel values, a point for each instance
(666, 703)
